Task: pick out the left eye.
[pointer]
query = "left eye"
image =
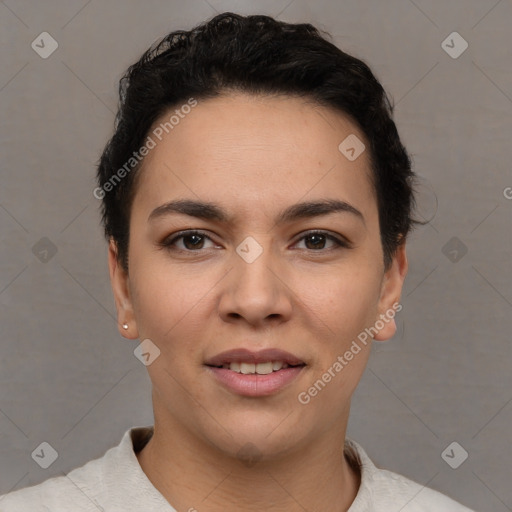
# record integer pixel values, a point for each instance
(316, 240)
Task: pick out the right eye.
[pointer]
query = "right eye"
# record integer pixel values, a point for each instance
(191, 241)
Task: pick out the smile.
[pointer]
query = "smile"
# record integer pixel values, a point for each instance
(256, 368)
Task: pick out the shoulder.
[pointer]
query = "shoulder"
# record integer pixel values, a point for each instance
(393, 489)
(114, 483)
(57, 494)
(84, 489)
(78, 490)
(384, 491)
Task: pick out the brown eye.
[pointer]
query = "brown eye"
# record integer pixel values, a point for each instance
(193, 241)
(317, 240)
(188, 241)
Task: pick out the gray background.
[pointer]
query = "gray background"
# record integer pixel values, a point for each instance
(69, 379)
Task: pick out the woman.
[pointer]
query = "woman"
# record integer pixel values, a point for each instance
(257, 200)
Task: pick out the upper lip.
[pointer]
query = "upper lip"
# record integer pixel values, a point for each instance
(243, 355)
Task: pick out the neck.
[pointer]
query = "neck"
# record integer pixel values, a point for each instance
(192, 475)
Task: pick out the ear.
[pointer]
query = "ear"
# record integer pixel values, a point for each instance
(389, 302)
(120, 286)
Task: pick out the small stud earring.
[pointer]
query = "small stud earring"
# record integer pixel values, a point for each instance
(125, 326)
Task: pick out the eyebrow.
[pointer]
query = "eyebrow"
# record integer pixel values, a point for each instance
(211, 211)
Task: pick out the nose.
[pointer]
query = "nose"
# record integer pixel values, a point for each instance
(255, 290)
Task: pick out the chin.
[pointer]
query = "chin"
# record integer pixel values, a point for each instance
(256, 438)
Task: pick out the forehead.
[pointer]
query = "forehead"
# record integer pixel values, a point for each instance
(256, 151)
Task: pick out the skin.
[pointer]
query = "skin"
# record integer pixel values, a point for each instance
(254, 156)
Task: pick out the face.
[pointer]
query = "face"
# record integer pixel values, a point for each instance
(273, 255)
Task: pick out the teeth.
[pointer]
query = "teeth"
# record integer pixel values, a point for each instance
(246, 368)
(260, 368)
(264, 368)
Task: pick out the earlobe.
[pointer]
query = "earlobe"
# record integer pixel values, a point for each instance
(119, 281)
(389, 303)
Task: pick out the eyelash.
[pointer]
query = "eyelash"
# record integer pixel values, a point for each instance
(168, 243)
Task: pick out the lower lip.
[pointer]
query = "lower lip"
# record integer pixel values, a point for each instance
(254, 384)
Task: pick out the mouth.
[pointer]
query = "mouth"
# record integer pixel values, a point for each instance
(256, 368)
(255, 374)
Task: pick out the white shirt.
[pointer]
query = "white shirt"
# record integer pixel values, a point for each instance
(117, 483)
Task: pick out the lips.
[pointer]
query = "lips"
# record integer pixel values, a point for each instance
(242, 355)
(255, 374)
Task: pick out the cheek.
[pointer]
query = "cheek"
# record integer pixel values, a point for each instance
(342, 306)
(344, 300)
(168, 303)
